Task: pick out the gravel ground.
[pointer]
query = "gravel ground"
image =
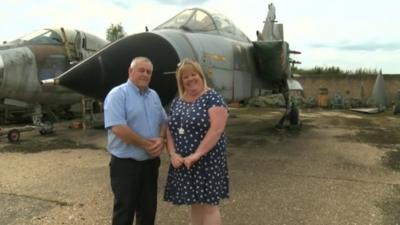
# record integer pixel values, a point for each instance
(340, 168)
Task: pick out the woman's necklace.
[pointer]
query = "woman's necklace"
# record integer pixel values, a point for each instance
(185, 116)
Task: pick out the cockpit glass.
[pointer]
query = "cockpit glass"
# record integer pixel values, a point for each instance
(197, 20)
(41, 37)
(191, 19)
(225, 26)
(200, 21)
(177, 21)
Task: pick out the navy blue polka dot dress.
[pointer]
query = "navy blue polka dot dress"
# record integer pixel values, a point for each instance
(207, 180)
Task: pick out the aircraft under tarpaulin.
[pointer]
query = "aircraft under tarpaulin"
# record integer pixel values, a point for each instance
(378, 99)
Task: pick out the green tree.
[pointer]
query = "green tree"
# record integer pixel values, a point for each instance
(334, 70)
(115, 32)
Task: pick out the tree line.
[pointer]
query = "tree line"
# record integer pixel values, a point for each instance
(334, 70)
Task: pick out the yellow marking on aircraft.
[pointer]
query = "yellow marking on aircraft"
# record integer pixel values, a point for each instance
(215, 57)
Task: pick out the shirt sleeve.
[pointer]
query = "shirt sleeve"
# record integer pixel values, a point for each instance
(215, 100)
(163, 115)
(171, 106)
(114, 109)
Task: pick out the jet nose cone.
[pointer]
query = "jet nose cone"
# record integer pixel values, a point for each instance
(97, 75)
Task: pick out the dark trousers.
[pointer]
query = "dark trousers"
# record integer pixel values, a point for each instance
(134, 184)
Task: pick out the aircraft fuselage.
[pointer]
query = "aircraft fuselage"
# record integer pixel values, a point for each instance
(234, 66)
(41, 55)
(23, 67)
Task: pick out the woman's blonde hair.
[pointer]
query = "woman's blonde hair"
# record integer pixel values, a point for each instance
(196, 67)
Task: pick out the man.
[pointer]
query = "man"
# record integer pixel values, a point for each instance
(136, 123)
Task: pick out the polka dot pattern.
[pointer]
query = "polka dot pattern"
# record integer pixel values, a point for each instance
(207, 180)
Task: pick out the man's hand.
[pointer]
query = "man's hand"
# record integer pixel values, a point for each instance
(157, 145)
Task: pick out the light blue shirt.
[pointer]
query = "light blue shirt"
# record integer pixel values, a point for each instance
(144, 114)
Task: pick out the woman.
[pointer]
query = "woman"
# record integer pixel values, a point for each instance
(198, 174)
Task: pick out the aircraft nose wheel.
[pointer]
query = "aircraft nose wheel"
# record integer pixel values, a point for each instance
(13, 135)
(47, 128)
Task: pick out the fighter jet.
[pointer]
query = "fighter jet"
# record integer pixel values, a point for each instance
(235, 66)
(40, 55)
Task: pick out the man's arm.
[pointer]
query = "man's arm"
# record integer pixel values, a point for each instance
(129, 136)
(158, 142)
(163, 130)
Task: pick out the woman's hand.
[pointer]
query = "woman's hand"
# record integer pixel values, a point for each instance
(176, 160)
(191, 159)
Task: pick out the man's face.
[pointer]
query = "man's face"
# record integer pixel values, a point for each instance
(140, 75)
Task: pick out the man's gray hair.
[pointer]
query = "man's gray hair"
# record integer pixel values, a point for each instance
(140, 59)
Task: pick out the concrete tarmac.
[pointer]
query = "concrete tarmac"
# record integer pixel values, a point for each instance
(340, 168)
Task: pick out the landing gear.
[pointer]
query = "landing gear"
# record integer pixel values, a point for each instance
(46, 128)
(285, 92)
(45, 125)
(291, 114)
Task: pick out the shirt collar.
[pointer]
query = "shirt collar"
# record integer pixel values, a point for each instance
(136, 89)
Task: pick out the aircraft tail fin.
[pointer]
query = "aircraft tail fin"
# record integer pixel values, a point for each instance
(272, 31)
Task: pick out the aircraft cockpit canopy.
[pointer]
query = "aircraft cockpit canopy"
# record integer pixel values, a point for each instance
(199, 20)
(43, 36)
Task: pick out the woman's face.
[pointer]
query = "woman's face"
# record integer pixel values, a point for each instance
(191, 79)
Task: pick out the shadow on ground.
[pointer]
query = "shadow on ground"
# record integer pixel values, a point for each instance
(36, 145)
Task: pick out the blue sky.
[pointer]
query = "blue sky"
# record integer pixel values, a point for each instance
(351, 34)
